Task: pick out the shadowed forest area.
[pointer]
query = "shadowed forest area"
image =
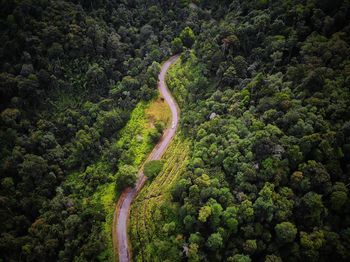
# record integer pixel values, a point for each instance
(260, 170)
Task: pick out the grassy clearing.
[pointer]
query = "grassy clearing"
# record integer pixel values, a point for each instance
(158, 111)
(146, 219)
(135, 144)
(134, 138)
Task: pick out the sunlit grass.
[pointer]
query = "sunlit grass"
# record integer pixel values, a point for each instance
(158, 110)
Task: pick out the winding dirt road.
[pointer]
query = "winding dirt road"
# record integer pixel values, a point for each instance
(122, 212)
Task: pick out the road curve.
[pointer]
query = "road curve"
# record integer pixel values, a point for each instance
(122, 212)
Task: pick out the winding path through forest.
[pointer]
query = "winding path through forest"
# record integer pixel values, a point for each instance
(122, 211)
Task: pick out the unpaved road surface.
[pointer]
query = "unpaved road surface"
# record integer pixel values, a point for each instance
(121, 215)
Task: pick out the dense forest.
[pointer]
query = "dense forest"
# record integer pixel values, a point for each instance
(267, 106)
(71, 72)
(264, 92)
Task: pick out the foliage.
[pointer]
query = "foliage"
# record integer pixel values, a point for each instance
(187, 37)
(153, 218)
(264, 98)
(264, 107)
(70, 77)
(152, 168)
(286, 232)
(126, 177)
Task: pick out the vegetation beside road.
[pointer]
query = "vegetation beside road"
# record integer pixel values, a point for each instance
(152, 212)
(263, 155)
(135, 142)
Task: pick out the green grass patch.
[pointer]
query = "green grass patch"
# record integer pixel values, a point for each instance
(158, 110)
(134, 142)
